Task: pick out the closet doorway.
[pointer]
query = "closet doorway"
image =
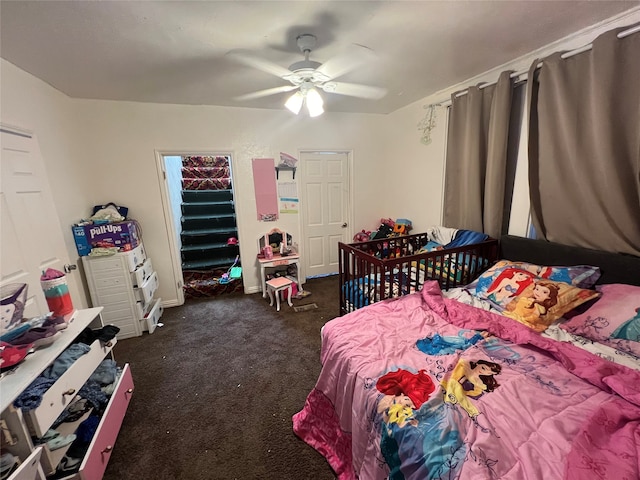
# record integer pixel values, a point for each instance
(199, 208)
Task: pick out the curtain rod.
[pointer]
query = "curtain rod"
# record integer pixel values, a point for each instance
(523, 73)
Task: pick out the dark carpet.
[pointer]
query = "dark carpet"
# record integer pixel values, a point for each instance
(216, 387)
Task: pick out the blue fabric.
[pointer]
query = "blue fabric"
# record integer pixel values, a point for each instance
(466, 237)
(105, 373)
(93, 392)
(65, 360)
(431, 246)
(15, 332)
(31, 397)
(439, 345)
(354, 291)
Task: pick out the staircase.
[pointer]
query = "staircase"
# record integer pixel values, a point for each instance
(208, 221)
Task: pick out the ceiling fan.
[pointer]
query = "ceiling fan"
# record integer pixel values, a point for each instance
(307, 76)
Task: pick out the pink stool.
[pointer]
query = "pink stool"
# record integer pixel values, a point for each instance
(275, 286)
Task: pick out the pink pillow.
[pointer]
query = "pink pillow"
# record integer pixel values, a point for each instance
(613, 320)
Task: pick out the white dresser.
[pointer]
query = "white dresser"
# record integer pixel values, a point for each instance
(125, 285)
(19, 428)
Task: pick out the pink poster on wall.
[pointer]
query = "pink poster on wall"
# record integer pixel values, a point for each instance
(264, 184)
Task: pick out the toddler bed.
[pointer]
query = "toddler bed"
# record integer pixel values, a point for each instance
(375, 270)
(427, 387)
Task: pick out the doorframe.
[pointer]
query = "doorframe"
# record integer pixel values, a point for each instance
(174, 244)
(303, 215)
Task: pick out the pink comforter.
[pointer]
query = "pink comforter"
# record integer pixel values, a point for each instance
(511, 405)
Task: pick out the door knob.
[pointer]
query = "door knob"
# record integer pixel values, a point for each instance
(69, 267)
(344, 225)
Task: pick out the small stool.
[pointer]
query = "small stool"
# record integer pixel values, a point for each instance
(275, 286)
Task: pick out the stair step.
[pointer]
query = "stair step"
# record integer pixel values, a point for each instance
(207, 161)
(212, 184)
(204, 246)
(196, 254)
(209, 263)
(210, 231)
(198, 222)
(212, 208)
(206, 172)
(209, 203)
(206, 216)
(198, 196)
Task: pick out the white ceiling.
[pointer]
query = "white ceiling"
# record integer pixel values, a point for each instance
(174, 51)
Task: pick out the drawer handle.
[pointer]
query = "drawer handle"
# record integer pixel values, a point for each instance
(107, 449)
(71, 391)
(108, 344)
(129, 391)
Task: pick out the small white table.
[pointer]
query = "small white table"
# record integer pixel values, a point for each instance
(278, 261)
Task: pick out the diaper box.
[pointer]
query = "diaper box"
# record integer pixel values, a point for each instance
(124, 235)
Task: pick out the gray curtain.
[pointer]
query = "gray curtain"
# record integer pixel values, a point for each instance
(584, 146)
(476, 158)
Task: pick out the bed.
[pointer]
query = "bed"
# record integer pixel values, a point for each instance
(385, 268)
(426, 386)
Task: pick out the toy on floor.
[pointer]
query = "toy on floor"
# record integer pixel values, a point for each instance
(233, 273)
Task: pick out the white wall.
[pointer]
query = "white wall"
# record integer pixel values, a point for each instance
(415, 170)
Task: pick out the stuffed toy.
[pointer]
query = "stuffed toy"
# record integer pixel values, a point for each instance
(384, 231)
(401, 227)
(362, 236)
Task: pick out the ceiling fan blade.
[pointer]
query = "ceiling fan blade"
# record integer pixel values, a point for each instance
(355, 90)
(351, 59)
(266, 92)
(247, 58)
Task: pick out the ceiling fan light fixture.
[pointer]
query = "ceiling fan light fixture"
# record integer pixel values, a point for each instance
(294, 103)
(308, 76)
(314, 103)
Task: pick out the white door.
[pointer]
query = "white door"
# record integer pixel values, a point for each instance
(325, 209)
(32, 237)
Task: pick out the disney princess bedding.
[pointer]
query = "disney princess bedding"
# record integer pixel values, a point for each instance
(427, 387)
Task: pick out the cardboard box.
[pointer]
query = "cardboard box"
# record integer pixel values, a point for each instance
(124, 235)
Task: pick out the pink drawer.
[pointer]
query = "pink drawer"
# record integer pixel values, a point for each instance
(99, 452)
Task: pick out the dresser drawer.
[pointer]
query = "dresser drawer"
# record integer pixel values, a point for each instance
(102, 265)
(151, 319)
(142, 273)
(134, 257)
(114, 282)
(110, 297)
(30, 469)
(145, 293)
(95, 461)
(61, 393)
